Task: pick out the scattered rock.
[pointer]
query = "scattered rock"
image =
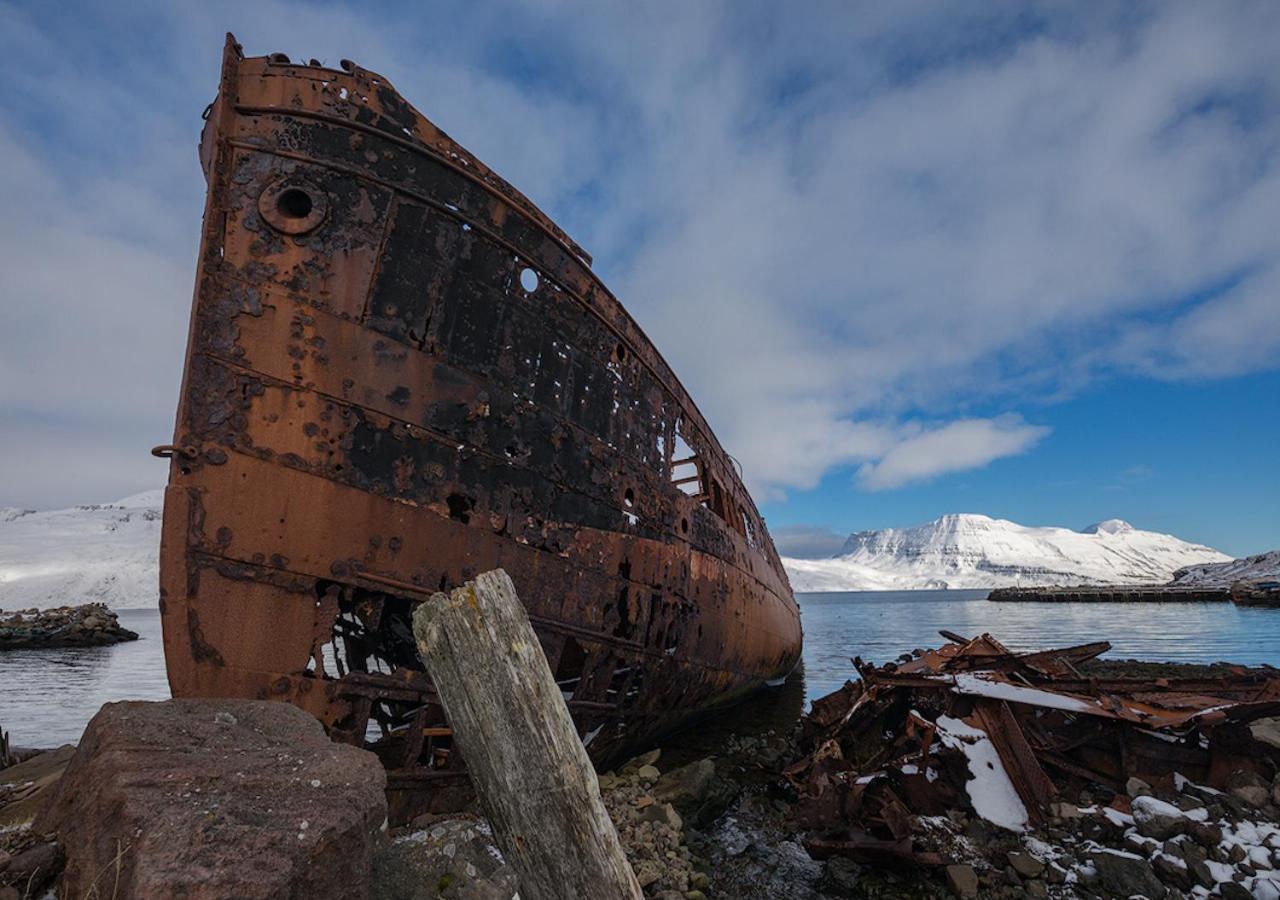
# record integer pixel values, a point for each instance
(1136, 787)
(1233, 890)
(1062, 810)
(648, 774)
(453, 858)
(1157, 819)
(962, 880)
(150, 777)
(1026, 865)
(1126, 874)
(651, 833)
(648, 871)
(633, 765)
(1172, 871)
(662, 813)
(1206, 834)
(1248, 788)
(839, 877)
(696, 791)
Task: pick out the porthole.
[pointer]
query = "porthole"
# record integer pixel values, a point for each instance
(528, 280)
(294, 203)
(293, 206)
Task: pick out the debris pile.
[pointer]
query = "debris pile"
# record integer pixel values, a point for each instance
(1044, 745)
(89, 625)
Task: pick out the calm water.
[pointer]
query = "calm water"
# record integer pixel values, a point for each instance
(47, 696)
(879, 626)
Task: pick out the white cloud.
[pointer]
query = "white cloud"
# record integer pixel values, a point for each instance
(854, 234)
(954, 447)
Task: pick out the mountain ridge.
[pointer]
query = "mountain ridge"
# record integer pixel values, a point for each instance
(972, 550)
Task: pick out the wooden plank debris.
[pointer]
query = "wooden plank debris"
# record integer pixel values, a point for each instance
(527, 763)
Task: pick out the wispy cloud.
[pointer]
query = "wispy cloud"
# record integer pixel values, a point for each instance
(954, 447)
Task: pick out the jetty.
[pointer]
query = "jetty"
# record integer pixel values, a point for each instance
(1115, 593)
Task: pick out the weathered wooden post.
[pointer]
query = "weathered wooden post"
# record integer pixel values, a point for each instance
(509, 719)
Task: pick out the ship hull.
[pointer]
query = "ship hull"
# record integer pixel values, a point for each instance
(400, 374)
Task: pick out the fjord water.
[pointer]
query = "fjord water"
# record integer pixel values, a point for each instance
(878, 626)
(47, 696)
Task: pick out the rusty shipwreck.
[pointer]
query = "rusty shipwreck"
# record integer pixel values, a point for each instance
(401, 373)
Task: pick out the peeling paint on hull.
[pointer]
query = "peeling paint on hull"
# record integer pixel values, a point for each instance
(400, 374)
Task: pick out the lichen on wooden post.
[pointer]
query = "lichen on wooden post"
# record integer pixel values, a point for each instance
(510, 722)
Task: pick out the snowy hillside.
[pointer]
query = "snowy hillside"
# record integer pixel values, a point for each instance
(974, 551)
(1263, 567)
(103, 553)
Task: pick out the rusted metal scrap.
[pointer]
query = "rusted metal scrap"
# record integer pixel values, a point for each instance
(900, 742)
(401, 373)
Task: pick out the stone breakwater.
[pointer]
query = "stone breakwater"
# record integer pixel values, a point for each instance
(89, 625)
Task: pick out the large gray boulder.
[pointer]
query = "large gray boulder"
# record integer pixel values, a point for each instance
(206, 799)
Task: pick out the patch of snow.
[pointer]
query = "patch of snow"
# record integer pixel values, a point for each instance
(975, 684)
(990, 790)
(1117, 818)
(1180, 782)
(1263, 888)
(1220, 871)
(104, 553)
(974, 551)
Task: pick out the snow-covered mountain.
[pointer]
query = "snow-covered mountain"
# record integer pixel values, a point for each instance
(107, 553)
(974, 551)
(1263, 567)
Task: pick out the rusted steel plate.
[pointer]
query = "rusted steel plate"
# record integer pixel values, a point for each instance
(400, 373)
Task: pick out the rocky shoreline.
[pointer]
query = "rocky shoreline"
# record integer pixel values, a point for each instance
(87, 625)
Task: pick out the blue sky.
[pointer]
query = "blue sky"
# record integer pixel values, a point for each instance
(1013, 258)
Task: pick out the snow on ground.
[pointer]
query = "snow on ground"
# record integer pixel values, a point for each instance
(107, 553)
(974, 551)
